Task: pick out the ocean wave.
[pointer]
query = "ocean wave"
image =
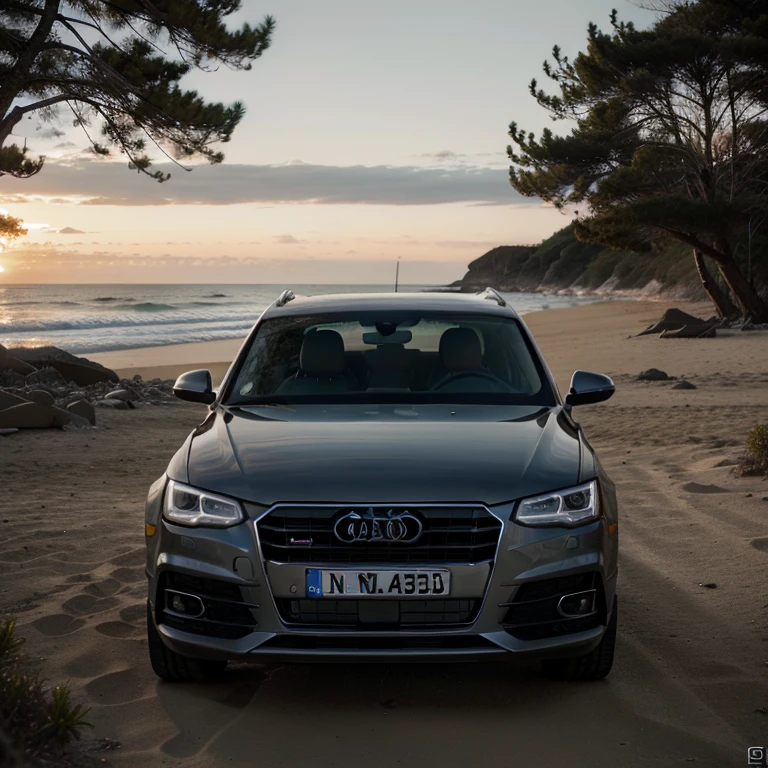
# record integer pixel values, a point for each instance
(105, 299)
(147, 306)
(38, 303)
(215, 296)
(140, 319)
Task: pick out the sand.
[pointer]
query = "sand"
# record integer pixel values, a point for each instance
(690, 682)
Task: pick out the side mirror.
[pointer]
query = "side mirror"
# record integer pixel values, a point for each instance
(195, 386)
(587, 388)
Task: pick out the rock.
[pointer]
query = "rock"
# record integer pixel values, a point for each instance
(70, 420)
(40, 396)
(29, 416)
(118, 405)
(671, 320)
(8, 400)
(683, 384)
(45, 375)
(653, 374)
(136, 379)
(80, 370)
(700, 331)
(124, 393)
(11, 362)
(73, 397)
(709, 585)
(83, 409)
(9, 378)
(8, 431)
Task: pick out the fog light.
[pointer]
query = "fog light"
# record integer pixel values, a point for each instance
(577, 604)
(184, 604)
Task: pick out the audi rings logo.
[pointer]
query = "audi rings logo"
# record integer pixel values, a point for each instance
(390, 525)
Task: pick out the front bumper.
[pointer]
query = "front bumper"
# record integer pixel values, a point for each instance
(242, 590)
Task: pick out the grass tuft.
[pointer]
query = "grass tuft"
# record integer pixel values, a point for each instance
(36, 723)
(755, 461)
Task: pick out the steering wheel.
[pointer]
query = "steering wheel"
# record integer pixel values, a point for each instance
(469, 374)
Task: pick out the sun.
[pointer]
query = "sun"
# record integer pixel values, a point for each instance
(2, 268)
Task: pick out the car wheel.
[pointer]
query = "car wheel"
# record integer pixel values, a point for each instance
(594, 665)
(174, 667)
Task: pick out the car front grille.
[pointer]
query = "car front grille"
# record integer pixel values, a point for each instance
(449, 535)
(378, 614)
(532, 613)
(225, 613)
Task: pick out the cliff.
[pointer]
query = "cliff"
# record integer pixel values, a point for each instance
(563, 264)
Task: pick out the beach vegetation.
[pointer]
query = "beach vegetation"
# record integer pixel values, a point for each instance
(113, 69)
(755, 461)
(38, 721)
(669, 139)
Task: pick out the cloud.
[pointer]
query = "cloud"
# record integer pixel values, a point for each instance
(95, 182)
(443, 154)
(286, 240)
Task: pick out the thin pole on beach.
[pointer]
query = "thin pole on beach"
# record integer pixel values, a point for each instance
(397, 273)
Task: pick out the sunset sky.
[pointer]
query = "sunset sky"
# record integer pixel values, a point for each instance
(374, 130)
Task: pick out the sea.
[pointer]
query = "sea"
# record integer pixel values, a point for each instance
(98, 318)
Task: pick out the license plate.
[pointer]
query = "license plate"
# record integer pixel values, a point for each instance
(348, 583)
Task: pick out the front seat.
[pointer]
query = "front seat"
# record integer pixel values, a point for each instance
(462, 356)
(322, 367)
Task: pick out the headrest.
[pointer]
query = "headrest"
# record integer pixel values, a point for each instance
(322, 354)
(460, 350)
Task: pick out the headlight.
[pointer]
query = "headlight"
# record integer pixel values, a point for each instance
(189, 506)
(573, 506)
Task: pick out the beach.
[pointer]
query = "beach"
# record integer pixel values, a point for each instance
(689, 683)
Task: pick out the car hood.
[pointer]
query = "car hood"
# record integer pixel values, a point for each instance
(429, 454)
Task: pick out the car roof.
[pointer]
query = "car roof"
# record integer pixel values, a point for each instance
(488, 303)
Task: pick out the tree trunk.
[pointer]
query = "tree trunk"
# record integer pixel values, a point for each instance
(723, 305)
(750, 304)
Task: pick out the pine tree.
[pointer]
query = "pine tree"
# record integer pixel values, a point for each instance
(670, 136)
(106, 61)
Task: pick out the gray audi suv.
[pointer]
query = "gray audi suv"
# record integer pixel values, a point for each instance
(384, 477)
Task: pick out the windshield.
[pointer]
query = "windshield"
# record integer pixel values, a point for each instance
(390, 357)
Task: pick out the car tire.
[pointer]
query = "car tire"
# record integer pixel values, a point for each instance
(173, 667)
(594, 665)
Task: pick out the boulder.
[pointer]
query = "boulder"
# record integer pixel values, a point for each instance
(9, 431)
(29, 416)
(72, 397)
(11, 362)
(653, 374)
(80, 370)
(40, 396)
(83, 409)
(683, 384)
(671, 320)
(67, 419)
(700, 331)
(124, 393)
(8, 400)
(118, 405)
(9, 378)
(46, 375)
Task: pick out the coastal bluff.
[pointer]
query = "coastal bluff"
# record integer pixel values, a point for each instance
(563, 264)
